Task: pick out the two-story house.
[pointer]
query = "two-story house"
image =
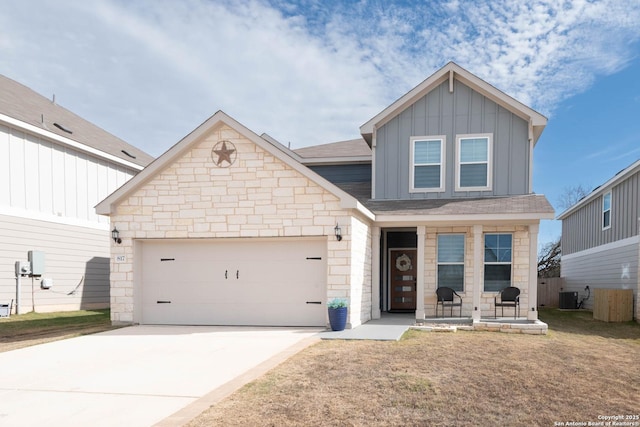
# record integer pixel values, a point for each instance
(54, 168)
(601, 238)
(229, 227)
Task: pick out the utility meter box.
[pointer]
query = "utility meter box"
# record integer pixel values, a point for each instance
(36, 259)
(23, 268)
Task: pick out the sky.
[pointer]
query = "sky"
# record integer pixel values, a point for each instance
(311, 72)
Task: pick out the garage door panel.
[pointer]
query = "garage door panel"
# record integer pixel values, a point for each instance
(250, 282)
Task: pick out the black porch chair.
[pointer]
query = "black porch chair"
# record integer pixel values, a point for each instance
(509, 297)
(447, 298)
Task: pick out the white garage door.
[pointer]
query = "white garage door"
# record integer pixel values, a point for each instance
(280, 282)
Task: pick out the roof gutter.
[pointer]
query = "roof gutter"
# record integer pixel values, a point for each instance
(407, 220)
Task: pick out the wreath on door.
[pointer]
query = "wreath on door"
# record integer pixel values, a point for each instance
(403, 263)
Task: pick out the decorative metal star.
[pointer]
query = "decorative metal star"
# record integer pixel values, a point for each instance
(224, 153)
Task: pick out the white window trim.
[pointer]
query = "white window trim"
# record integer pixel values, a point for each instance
(412, 165)
(608, 193)
(463, 263)
(489, 185)
(495, 263)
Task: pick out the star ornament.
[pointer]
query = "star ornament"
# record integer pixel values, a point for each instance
(226, 154)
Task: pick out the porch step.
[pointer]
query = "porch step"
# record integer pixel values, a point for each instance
(437, 328)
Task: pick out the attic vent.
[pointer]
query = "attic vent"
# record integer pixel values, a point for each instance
(62, 128)
(130, 155)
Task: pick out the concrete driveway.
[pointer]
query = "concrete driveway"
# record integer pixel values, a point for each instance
(138, 376)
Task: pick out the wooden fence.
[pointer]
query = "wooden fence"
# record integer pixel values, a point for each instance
(613, 305)
(549, 291)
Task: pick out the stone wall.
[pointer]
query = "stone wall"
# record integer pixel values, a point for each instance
(520, 269)
(259, 196)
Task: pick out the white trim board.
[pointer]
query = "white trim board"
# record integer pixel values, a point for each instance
(634, 240)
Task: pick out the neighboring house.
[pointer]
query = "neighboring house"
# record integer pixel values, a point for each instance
(229, 227)
(54, 168)
(600, 238)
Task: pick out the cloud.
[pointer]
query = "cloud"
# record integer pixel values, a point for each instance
(307, 72)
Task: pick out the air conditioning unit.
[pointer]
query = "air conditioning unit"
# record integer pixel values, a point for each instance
(568, 300)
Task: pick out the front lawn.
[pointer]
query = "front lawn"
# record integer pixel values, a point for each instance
(581, 370)
(28, 329)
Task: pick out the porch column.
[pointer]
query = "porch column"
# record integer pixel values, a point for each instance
(532, 306)
(421, 232)
(478, 266)
(375, 272)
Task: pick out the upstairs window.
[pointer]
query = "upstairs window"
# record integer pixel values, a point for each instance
(474, 163)
(427, 164)
(606, 211)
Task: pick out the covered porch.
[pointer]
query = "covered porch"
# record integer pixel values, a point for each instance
(476, 246)
(409, 267)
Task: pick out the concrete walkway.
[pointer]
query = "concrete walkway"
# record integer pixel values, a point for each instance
(388, 328)
(138, 376)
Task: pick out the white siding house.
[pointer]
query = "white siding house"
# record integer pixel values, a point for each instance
(54, 168)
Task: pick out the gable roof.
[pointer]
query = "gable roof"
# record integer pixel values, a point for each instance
(452, 71)
(273, 147)
(604, 188)
(24, 108)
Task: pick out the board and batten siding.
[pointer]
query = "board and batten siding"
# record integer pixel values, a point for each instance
(43, 177)
(47, 200)
(611, 266)
(583, 229)
(462, 112)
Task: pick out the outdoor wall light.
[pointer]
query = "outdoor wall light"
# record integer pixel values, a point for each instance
(338, 232)
(115, 235)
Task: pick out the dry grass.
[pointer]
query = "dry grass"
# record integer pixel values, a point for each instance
(582, 369)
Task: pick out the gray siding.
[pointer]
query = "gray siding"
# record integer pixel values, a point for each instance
(616, 268)
(73, 255)
(440, 112)
(583, 229)
(344, 173)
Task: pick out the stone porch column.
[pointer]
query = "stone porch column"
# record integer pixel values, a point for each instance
(375, 272)
(478, 266)
(532, 306)
(421, 232)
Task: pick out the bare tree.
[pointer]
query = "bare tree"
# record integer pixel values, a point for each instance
(549, 260)
(571, 195)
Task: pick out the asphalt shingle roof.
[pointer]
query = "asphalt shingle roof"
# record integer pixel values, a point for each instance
(21, 103)
(522, 204)
(351, 148)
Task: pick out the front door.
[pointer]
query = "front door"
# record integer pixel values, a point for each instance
(402, 279)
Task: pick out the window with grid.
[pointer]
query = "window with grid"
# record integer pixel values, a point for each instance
(427, 155)
(474, 163)
(451, 261)
(497, 261)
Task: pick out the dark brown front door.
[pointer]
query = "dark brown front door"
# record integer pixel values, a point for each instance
(402, 279)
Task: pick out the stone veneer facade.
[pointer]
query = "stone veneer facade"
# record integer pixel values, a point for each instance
(519, 274)
(259, 196)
